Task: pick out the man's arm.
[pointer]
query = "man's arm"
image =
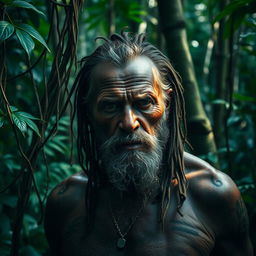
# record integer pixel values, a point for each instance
(232, 236)
(224, 211)
(235, 239)
(52, 222)
(66, 198)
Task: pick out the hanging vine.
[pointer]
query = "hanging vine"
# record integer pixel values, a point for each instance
(51, 99)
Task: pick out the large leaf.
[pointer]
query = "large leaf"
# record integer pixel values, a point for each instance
(6, 30)
(25, 40)
(26, 117)
(34, 33)
(56, 147)
(26, 5)
(33, 126)
(49, 152)
(57, 140)
(10, 163)
(231, 8)
(19, 122)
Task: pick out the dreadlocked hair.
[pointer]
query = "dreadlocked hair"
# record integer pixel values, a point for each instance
(117, 50)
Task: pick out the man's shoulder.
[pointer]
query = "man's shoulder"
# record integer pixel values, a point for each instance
(68, 193)
(216, 198)
(209, 186)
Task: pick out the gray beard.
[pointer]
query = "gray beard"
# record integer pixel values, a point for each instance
(135, 169)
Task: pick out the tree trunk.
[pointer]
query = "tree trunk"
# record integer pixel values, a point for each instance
(111, 17)
(221, 58)
(200, 134)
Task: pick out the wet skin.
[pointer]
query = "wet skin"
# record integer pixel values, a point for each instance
(125, 100)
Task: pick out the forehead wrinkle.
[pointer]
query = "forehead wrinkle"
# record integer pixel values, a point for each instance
(128, 80)
(135, 73)
(123, 92)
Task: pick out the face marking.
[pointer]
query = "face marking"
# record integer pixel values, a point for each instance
(124, 99)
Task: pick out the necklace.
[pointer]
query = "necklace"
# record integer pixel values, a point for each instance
(121, 241)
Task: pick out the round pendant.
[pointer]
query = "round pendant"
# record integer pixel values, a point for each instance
(121, 243)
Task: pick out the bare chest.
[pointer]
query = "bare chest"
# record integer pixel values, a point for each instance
(181, 236)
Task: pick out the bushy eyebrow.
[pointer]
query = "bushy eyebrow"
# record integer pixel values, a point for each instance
(111, 95)
(145, 94)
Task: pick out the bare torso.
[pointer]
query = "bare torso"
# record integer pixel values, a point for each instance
(204, 228)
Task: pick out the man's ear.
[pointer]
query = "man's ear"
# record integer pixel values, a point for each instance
(169, 95)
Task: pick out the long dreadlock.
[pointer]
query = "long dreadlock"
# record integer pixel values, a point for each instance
(117, 50)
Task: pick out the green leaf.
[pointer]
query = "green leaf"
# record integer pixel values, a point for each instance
(48, 151)
(221, 102)
(61, 137)
(242, 97)
(55, 176)
(27, 115)
(234, 22)
(33, 126)
(34, 33)
(56, 147)
(20, 123)
(30, 219)
(135, 18)
(137, 12)
(26, 5)
(25, 40)
(231, 8)
(10, 163)
(59, 142)
(13, 108)
(6, 30)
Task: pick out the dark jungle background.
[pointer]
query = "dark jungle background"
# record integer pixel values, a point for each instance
(212, 44)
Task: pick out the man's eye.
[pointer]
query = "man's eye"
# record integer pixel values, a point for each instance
(145, 103)
(109, 106)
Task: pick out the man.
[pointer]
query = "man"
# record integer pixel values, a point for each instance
(140, 194)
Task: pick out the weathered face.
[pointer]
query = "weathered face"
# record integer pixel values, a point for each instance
(127, 114)
(125, 99)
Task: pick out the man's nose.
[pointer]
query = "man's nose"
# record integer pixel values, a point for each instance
(129, 121)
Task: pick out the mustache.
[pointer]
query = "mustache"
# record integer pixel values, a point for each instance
(139, 137)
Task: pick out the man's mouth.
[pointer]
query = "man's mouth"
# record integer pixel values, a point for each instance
(131, 145)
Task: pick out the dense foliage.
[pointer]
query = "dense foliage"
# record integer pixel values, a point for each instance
(37, 62)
